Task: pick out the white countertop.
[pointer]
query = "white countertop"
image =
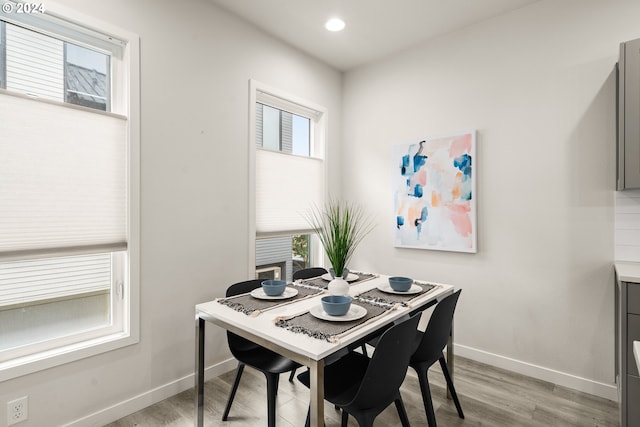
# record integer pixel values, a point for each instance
(636, 353)
(628, 271)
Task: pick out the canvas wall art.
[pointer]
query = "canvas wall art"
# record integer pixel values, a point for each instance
(435, 197)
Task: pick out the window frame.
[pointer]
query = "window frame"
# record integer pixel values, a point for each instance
(283, 101)
(125, 100)
(267, 95)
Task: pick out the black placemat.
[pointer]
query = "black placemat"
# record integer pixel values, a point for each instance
(249, 305)
(321, 283)
(377, 296)
(306, 323)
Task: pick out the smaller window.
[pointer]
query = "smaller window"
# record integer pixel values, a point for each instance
(281, 130)
(289, 176)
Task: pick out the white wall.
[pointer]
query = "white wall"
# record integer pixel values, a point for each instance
(538, 84)
(196, 62)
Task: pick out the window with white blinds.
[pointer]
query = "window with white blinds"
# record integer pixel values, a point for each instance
(66, 176)
(289, 172)
(288, 177)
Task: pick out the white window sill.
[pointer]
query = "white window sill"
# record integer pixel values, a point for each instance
(48, 359)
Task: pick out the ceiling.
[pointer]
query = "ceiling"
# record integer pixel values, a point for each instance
(375, 28)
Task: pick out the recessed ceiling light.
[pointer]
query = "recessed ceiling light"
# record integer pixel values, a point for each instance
(334, 24)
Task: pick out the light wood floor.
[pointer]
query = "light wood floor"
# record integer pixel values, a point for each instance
(489, 397)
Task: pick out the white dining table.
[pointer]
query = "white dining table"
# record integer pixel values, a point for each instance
(311, 352)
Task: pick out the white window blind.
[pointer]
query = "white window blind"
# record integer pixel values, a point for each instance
(287, 187)
(64, 187)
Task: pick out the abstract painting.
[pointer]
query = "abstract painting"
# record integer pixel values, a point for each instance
(435, 193)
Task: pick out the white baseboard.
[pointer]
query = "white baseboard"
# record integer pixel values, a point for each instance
(607, 391)
(148, 398)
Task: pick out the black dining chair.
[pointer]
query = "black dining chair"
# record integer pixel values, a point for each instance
(430, 344)
(309, 273)
(271, 364)
(363, 387)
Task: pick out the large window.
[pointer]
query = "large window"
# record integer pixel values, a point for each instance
(289, 180)
(69, 184)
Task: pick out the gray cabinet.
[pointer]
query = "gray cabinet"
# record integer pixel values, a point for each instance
(628, 166)
(627, 331)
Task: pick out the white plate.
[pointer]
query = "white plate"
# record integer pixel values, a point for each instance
(350, 277)
(355, 312)
(288, 293)
(414, 289)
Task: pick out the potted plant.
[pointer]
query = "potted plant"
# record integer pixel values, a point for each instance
(341, 226)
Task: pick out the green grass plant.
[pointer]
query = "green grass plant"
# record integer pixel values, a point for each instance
(341, 226)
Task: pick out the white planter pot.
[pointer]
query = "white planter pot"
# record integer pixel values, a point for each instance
(338, 286)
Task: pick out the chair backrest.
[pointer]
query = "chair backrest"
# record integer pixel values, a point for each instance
(388, 366)
(237, 343)
(308, 273)
(243, 287)
(436, 335)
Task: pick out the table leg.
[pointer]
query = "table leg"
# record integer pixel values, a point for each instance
(199, 374)
(316, 371)
(450, 356)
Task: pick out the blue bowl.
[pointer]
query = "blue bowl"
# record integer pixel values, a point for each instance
(400, 284)
(273, 288)
(336, 305)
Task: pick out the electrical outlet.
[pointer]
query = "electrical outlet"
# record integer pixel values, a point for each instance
(17, 410)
